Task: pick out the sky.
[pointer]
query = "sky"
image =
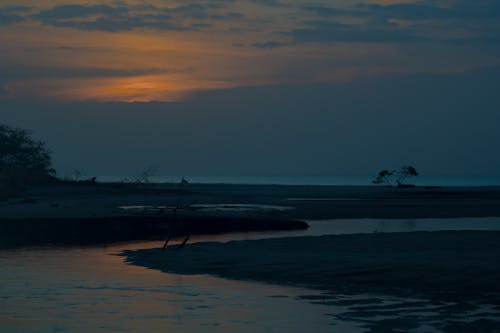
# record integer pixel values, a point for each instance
(256, 87)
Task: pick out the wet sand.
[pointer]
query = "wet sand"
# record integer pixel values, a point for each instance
(443, 265)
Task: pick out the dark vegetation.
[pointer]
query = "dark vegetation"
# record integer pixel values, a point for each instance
(23, 161)
(396, 177)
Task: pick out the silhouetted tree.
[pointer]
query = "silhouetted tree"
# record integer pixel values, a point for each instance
(23, 160)
(396, 177)
(383, 177)
(404, 173)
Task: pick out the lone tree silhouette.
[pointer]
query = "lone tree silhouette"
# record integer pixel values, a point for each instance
(396, 177)
(23, 160)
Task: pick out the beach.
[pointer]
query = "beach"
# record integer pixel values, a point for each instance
(67, 200)
(446, 265)
(444, 281)
(80, 213)
(379, 277)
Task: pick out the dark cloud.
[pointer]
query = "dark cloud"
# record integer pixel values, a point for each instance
(328, 31)
(105, 18)
(325, 11)
(268, 45)
(119, 18)
(202, 12)
(65, 12)
(196, 11)
(224, 3)
(227, 16)
(12, 14)
(16, 9)
(271, 3)
(123, 23)
(427, 21)
(423, 10)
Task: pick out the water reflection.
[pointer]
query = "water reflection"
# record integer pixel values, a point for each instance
(361, 226)
(92, 289)
(87, 289)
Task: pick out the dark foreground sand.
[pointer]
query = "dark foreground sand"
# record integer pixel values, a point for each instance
(90, 231)
(459, 265)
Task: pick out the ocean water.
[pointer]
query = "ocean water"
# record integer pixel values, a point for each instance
(311, 180)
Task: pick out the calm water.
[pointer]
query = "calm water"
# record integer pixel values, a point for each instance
(92, 289)
(363, 226)
(88, 290)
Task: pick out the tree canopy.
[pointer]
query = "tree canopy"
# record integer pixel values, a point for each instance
(395, 177)
(22, 157)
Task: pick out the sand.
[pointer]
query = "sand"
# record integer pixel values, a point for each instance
(445, 265)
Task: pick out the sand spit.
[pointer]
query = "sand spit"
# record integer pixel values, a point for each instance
(446, 265)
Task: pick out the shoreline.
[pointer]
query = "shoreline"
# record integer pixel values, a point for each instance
(307, 202)
(77, 213)
(16, 233)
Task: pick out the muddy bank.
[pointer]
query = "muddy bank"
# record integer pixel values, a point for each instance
(88, 231)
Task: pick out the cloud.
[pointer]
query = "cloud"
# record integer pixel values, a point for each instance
(11, 14)
(325, 11)
(224, 3)
(113, 24)
(196, 11)
(202, 12)
(120, 18)
(268, 45)
(270, 3)
(461, 22)
(328, 31)
(227, 16)
(65, 12)
(422, 10)
(103, 17)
